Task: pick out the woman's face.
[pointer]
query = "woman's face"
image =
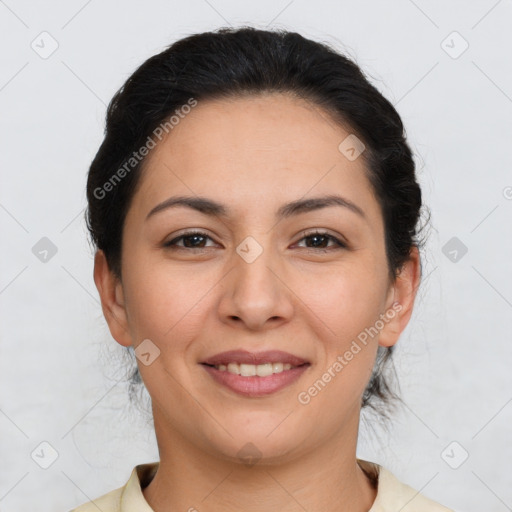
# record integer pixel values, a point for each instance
(257, 278)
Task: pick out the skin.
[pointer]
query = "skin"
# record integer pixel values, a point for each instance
(254, 154)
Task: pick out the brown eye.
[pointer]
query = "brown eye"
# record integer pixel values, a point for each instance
(320, 239)
(191, 240)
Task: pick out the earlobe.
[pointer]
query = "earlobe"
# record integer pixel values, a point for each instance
(110, 290)
(400, 306)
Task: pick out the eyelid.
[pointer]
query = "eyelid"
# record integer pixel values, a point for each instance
(187, 233)
(338, 240)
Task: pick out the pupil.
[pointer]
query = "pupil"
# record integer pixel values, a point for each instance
(316, 237)
(195, 237)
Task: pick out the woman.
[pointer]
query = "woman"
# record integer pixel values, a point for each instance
(255, 211)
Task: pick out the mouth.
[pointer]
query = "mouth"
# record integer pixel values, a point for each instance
(255, 374)
(254, 358)
(252, 370)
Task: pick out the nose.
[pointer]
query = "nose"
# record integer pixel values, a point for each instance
(255, 293)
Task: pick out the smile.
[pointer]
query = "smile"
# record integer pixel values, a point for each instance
(250, 370)
(255, 380)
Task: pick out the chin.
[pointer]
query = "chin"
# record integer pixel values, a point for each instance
(258, 452)
(259, 443)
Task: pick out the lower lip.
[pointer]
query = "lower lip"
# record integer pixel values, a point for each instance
(256, 386)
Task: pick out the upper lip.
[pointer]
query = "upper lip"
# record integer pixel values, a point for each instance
(246, 357)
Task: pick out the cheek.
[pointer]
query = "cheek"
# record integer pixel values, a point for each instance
(346, 301)
(164, 301)
(349, 307)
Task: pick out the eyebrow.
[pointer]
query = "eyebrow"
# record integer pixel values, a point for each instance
(213, 208)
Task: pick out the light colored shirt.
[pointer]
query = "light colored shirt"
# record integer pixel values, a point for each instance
(392, 495)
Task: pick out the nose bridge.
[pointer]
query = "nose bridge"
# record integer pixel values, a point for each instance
(255, 293)
(253, 269)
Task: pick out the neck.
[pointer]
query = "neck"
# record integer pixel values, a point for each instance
(326, 478)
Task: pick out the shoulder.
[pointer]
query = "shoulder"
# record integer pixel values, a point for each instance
(393, 495)
(129, 497)
(110, 502)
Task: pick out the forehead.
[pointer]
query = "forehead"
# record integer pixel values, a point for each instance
(255, 150)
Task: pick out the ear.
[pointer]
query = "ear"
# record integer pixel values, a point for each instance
(401, 298)
(110, 289)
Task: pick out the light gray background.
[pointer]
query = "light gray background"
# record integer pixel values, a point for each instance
(58, 379)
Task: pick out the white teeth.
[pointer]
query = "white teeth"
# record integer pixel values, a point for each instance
(250, 370)
(264, 370)
(247, 370)
(233, 368)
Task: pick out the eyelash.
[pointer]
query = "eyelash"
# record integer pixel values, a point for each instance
(172, 243)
